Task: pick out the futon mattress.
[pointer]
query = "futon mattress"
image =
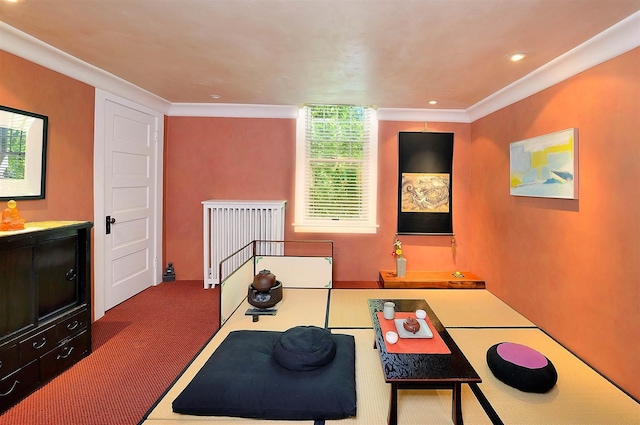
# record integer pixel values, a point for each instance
(242, 379)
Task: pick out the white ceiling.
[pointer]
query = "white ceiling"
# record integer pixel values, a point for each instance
(387, 53)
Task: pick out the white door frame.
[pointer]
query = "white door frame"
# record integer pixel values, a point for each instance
(101, 97)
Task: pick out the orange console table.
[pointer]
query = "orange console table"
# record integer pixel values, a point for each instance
(432, 280)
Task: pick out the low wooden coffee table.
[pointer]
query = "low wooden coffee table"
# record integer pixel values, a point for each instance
(422, 371)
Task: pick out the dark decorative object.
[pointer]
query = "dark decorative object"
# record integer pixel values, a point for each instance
(264, 280)
(23, 152)
(265, 291)
(425, 175)
(411, 325)
(170, 274)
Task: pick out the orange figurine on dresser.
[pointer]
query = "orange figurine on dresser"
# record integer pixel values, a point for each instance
(11, 217)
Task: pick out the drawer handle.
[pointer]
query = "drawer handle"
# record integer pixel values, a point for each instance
(72, 326)
(13, 387)
(64, 356)
(71, 274)
(37, 346)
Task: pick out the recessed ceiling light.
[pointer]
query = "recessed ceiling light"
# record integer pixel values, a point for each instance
(15, 1)
(516, 57)
(433, 102)
(215, 96)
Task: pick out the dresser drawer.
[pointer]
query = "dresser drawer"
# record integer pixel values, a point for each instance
(38, 344)
(9, 360)
(18, 385)
(73, 324)
(64, 356)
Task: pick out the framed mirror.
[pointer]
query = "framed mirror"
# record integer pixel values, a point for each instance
(23, 151)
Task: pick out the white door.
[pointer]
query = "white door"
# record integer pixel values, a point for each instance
(128, 242)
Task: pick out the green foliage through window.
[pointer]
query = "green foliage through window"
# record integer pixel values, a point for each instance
(337, 153)
(12, 153)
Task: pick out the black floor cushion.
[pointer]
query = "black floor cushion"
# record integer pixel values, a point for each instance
(522, 367)
(243, 379)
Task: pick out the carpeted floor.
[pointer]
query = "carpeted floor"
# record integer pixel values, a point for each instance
(139, 348)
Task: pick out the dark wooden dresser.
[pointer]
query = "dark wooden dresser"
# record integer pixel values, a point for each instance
(45, 304)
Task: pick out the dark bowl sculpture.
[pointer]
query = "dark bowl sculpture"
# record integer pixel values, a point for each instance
(265, 299)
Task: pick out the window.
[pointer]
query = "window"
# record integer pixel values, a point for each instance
(336, 169)
(13, 143)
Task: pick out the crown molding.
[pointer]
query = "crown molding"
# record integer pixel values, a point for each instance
(616, 40)
(232, 110)
(612, 42)
(435, 115)
(30, 48)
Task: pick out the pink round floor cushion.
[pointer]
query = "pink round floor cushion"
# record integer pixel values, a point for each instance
(521, 367)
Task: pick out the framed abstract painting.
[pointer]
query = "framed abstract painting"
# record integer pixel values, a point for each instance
(545, 166)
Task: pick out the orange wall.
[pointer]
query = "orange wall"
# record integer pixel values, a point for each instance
(422, 252)
(570, 266)
(231, 158)
(220, 158)
(69, 104)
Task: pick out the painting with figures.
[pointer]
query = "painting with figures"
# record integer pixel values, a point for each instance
(425, 192)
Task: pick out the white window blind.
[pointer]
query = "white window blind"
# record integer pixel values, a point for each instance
(336, 176)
